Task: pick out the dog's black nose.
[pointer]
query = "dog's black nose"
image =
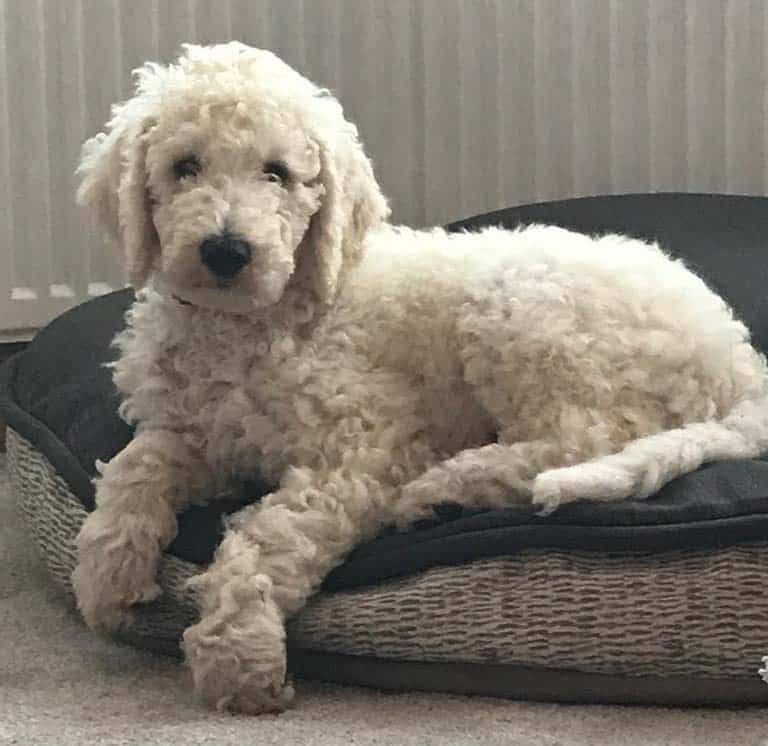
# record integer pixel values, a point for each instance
(225, 255)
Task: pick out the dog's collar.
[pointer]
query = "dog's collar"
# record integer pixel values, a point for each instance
(181, 300)
(202, 298)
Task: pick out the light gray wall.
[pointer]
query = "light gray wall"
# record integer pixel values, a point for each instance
(465, 105)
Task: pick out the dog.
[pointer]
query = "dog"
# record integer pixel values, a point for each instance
(368, 371)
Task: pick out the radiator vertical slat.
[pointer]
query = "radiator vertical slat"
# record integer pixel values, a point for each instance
(136, 26)
(175, 26)
(517, 96)
(213, 21)
(250, 23)
(189, 8)
(440, 29)
(353, 76)
(7, 317)
(667, 95)
(745, 83)
(286, 21)
(138, 39)
(590, 62)
(378, 97)
(358, 35)
(103, 77)
(396, 159)
(479, 67)
(28, 133)
(64, 94)
(417, 195)
(706, 96)
(322, 43)
(630, 124)
(554, 98)
(764, 109)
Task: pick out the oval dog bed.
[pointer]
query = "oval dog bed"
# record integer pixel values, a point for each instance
(656, 601)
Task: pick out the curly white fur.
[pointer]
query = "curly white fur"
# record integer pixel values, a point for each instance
(369, 371)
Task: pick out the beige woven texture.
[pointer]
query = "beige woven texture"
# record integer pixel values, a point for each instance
(696, 613)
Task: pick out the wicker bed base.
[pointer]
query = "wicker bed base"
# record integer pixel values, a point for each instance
(692, 614)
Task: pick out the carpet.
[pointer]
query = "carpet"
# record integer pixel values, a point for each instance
(60, 685)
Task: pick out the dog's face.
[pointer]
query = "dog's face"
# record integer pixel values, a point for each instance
(231, 196)
(228, 176)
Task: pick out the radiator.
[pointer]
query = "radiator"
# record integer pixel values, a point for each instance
(465, 106)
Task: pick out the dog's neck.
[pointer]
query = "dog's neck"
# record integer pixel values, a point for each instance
(296, 314)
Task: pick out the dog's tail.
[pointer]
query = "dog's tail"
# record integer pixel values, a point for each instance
(645, 465)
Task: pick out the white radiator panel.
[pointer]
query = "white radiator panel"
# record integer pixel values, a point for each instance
(465, 106)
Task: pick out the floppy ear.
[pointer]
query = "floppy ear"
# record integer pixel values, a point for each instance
(114, 187)
(352, 205)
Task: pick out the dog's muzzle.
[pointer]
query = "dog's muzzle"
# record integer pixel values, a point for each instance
(225, 255)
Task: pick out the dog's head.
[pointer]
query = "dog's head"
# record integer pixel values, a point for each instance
(231, 176)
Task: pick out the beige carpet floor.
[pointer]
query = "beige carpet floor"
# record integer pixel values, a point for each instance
(61, 685)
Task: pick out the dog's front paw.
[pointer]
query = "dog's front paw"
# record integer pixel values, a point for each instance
(117, 567)
(237, 650)
(237, 686)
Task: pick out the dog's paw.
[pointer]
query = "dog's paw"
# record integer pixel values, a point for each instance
(547, 493)
(117, 567)
(416, 503)
(595, 481)
(109, 612)
(237, 650)
(249, 696)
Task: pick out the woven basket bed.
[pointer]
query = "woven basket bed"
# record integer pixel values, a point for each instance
(684, 627)
(662, 601)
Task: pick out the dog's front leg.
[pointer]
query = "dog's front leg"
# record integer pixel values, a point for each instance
(274, 555)
(120, 543)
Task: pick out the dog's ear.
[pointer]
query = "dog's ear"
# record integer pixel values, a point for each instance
(114, 187)
(351, 206)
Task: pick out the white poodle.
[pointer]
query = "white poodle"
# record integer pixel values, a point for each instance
(369, 371)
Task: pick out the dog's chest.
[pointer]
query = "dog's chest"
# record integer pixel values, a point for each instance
(204, 373)
(228, 380)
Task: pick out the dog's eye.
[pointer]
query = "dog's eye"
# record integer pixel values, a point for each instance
(186, 167)
(277, 171)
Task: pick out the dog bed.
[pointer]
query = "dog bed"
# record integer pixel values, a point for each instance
(656, 601)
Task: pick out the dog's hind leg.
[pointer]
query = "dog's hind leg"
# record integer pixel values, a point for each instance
(491, 476)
